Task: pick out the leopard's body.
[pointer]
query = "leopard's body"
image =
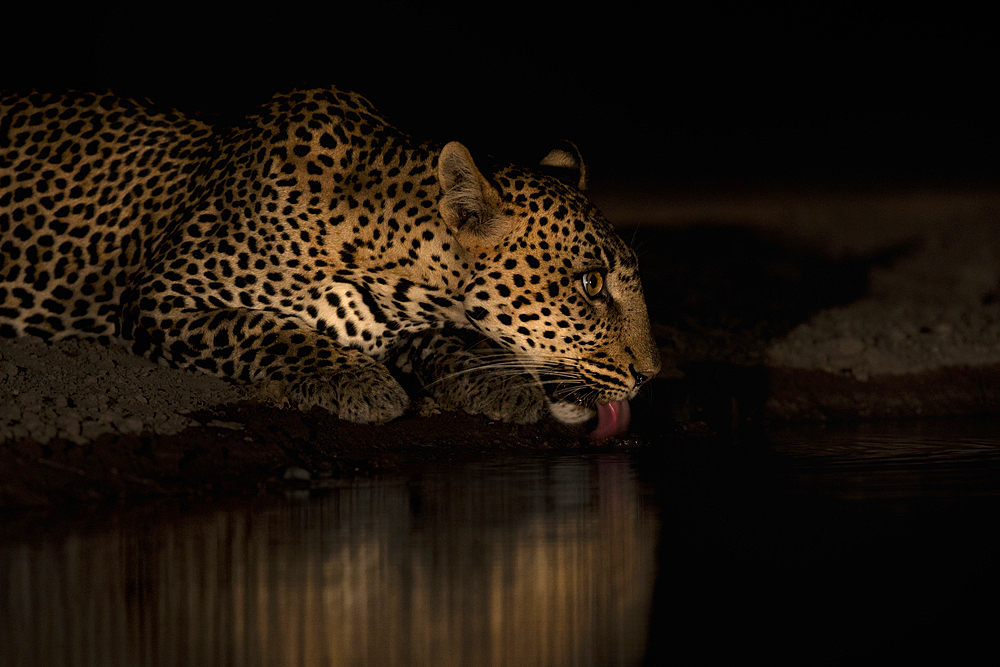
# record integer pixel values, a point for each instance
(312, 244)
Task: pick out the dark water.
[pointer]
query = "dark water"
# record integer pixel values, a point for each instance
(834, 545)
(812, 546)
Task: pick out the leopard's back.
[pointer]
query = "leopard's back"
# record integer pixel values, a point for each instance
(88, 185)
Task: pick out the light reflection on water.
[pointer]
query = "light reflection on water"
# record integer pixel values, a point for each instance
(542, 561)
(817, 545)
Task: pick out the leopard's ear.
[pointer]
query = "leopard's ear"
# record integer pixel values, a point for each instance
(566, 163)
(469, 205)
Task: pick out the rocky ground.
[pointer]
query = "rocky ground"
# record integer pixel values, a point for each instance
(784, 306)
(874, 304)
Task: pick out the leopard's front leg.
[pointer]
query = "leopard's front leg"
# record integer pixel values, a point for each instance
(479, 380)
(251, 346)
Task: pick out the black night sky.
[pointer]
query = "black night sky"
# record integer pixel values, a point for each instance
(677, 95)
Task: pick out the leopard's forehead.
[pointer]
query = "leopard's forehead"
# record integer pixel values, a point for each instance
(558, 219)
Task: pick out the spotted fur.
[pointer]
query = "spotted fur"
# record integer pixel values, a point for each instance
(313, 244)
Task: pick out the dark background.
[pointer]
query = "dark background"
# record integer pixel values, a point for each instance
(713, 95)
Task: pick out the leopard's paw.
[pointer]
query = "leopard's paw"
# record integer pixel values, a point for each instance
(365, 394)
(517, 399)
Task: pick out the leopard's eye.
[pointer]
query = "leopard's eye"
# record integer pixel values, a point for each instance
(593, 283)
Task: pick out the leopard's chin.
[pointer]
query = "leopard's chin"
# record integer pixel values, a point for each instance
(613, 418)
(572, 414)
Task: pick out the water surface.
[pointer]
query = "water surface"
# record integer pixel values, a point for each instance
(812, 545)
(525, 561)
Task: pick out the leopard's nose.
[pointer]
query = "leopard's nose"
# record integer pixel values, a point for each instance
(637, 376)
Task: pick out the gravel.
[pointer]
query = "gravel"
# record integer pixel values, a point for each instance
(935, 308)
(79, 389)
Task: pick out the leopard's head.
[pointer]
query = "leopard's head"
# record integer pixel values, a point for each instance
(552, 282)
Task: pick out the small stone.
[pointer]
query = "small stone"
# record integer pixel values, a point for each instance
(129, 425)
(68, 424)
(298, 474)
(92, 429)
(43, 431)
(850, 347)
(218, 423)
(10, 413)
(427, 407)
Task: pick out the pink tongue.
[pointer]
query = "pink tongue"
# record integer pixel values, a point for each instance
(612, 419)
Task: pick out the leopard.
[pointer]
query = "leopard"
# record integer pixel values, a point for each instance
(309, 245)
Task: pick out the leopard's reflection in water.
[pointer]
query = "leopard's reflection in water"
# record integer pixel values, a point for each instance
(540, 561)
